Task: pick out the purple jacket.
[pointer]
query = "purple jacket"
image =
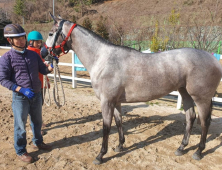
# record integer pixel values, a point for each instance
(21, 69)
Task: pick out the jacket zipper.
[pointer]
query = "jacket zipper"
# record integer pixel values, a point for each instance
(27, 70)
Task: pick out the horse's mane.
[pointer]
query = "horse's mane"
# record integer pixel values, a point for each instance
(99, 38)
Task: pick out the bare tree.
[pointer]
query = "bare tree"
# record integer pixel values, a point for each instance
(116, 32)
(3, 16)
(207, 34)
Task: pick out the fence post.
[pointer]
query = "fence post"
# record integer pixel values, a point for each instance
(179, 101)
(74, 82)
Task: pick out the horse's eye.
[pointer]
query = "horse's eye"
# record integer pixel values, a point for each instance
(50, 34)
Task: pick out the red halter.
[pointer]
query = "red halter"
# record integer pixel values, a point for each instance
(63, 43)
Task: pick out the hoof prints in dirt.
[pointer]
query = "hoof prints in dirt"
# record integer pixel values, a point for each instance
(152, 135)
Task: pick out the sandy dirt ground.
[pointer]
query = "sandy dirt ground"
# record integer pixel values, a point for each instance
(153, 132)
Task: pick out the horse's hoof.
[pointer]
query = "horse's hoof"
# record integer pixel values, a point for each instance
(178, 152)
(97, 162)
(119, 149)
(197, 156)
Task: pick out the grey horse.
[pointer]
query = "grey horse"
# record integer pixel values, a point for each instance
(124, 75)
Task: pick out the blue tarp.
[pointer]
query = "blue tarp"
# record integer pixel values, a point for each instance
(77, 61)
(217, 56)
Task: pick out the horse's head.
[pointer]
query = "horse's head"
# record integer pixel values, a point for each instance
(58, 36)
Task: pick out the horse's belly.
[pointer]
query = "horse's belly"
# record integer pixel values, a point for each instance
(147, 91)
(142, 97)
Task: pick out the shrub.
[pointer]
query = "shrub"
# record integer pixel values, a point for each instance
(101, 28)
(87, 23)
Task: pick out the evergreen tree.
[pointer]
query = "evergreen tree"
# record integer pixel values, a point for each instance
(19, 7)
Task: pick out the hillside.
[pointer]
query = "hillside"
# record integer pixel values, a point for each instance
(126, 17)
(128, 13)
(141, 13)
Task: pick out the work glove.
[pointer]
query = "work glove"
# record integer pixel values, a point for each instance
(53, 58)
(27, 92)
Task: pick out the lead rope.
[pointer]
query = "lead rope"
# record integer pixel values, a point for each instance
(56, 96)
(46, 90)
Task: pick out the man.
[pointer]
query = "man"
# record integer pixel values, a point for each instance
(19, 72)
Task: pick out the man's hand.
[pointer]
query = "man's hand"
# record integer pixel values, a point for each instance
(50, 67)
(27, 92)
(52, 58)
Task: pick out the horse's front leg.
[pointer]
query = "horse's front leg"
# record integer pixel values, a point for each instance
(118, 120)
(107, 113)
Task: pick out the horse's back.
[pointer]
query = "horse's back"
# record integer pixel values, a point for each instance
(132, 76)
(154, 75)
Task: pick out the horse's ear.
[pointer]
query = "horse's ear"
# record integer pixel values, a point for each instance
(59, 17)
(53, 17)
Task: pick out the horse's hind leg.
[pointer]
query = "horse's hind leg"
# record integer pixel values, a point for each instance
(118, 120)
(205, 109)
(188, 105)
(107, 113)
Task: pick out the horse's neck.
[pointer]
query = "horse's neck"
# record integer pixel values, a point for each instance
(86, 47)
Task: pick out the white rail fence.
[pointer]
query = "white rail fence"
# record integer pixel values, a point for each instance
(74, 79)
